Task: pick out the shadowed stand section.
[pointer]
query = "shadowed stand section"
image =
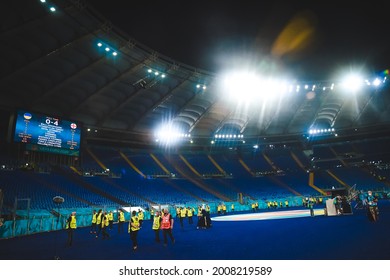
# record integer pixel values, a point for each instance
(58, 200)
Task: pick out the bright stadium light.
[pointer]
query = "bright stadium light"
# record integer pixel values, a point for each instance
(376, 82)
(320, 132)
(244, 86)
(247, 86)
(107, 48)
(169, 134)
(353, 82)
(201, 87)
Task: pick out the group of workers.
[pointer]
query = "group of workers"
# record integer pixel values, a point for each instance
(163, 221)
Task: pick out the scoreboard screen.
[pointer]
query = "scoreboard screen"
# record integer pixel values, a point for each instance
(52, 134)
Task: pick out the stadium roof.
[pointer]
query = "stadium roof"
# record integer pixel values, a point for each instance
(63, 58)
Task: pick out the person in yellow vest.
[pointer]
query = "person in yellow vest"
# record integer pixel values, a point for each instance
(199, 213)
(167, 226)
(286, 203)
(71, 225)
(151, 213)
(219, 207)
(99, 222)
(305, 201)
(183, 214)
(189, 215)
(311, 207)
(178, 212)
(208, 208)
(256, 206)
(105, 224)
(140, 217)
(253, 207)
(121, 220)
(223, 209)
(134, 227)
(156, 226)
(93, 224)
(110, 216)
(232, 207)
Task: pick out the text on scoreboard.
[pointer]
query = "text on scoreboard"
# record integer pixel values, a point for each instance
(47, 131)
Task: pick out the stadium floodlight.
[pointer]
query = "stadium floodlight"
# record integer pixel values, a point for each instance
(353, 83)
(376, 82)
(201, 86)
(319, 132)
(52, 9)
(243, 85)
(168, 134)
(107, 48)
(249, 86)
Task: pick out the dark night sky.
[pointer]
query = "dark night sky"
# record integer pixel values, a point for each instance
(215, 34)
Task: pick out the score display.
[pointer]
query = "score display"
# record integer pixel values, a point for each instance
(57, 135)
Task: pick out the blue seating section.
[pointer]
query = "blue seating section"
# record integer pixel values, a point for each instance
(36, 187)
(201, 164)
(324, 181)
(187, 186)
(363, 179)
(230, 163)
